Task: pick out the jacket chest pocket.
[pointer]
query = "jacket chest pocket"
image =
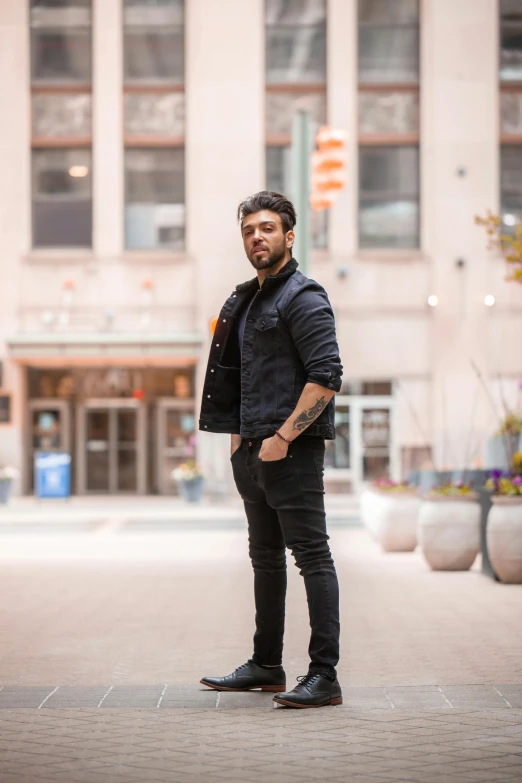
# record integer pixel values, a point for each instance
(267, 337)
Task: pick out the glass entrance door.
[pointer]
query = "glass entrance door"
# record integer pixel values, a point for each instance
(49, 431)
(175, 429)
(112, 447)
(365, 441)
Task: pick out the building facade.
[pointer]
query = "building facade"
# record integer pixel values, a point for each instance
(131, 129)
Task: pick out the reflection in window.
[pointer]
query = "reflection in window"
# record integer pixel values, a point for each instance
(510, 40)
(282, 106)
(61, 114)
(511, 186)
(388, 112)
(153, 113)
(388, 41)
(62, 198)
(389, 193)
(278, 163)
(154, 40)
(295, 41)
(61, 41)
(155, 198)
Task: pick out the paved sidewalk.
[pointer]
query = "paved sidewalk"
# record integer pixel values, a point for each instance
(104, 639)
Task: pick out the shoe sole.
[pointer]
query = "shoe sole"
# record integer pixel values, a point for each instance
(269, 688)
(331, 703)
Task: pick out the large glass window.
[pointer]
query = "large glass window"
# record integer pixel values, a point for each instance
(154, 41)
(388, 197)
(388, 66)
(62, 201)
(511, 185)
(154, 116)
(61, 61)
(155, 198)
(295, 55)
(510, 74)
(511, 40)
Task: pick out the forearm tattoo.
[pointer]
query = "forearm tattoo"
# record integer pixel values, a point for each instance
(307, 417)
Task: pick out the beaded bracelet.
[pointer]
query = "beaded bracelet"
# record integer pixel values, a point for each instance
(282, 437)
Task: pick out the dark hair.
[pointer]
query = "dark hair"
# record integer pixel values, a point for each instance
(275, 202)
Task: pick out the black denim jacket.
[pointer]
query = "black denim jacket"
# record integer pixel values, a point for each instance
(289, 340)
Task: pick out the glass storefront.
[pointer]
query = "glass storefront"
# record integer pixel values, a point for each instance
(126, 428)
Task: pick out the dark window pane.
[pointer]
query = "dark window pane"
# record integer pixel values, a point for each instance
(511, 186)
(388, 193)
(388, 171)
(278, 178)
(389, 12)
(154, 54)
(295, 54)
(389, 54)
(295, 12)
(61, 55)
(155, 198)
(153, 13)
(62, 198)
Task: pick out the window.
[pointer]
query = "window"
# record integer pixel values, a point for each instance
(61, 122)
(388, 67)
(511, 40)
(295, 42)
(154, 116)
(155, 198)
(511, 113)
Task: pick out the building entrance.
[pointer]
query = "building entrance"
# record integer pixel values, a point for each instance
(111, 448)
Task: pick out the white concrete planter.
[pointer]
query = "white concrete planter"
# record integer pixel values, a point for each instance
(504, 537)
(391, 518)
(449, 532)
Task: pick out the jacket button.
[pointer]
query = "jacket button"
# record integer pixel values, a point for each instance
(208, 395)
(262, 323)
(212, 371)
(224, 320)
(206, 427)
(217, 345)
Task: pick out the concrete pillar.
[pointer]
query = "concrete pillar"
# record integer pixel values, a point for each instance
(107, 128)
(15, 200)
(224, 162)
(342, 113)
(460, 154)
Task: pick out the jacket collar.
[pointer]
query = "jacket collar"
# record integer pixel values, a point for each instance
(284, 273)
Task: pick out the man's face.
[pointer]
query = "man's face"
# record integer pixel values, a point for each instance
(264, 240)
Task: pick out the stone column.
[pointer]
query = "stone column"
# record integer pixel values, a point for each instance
(107, 128)
(224, 163)
(15, 203)
(459, 172)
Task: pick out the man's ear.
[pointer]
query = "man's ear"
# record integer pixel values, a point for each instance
(290, 239)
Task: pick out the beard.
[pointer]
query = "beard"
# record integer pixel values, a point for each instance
(272, 258)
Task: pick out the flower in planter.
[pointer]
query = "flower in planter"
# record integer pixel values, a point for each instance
(452, 489)
(188, 471)
(387, 485)
(511, 425)
(506, 485)
(516, 462)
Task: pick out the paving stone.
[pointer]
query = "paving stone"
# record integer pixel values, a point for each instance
(462, 696)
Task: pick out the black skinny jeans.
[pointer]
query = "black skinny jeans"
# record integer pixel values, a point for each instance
(284, 503)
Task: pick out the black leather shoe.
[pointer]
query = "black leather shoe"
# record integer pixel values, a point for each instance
(249, 676)
(314, 690)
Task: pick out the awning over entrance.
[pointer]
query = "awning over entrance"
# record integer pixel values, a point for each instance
(101, 347)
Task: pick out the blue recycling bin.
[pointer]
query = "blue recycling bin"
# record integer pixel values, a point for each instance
(52, 475)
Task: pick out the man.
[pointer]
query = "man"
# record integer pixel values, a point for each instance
(273, 371)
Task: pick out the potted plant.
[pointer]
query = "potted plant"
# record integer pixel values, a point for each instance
(389, 510)
(189, 480)
(502, 447)
(8, 474)
(449, 527)
(504, 526)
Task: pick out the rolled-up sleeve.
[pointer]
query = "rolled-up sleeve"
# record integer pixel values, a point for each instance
(310, 319)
